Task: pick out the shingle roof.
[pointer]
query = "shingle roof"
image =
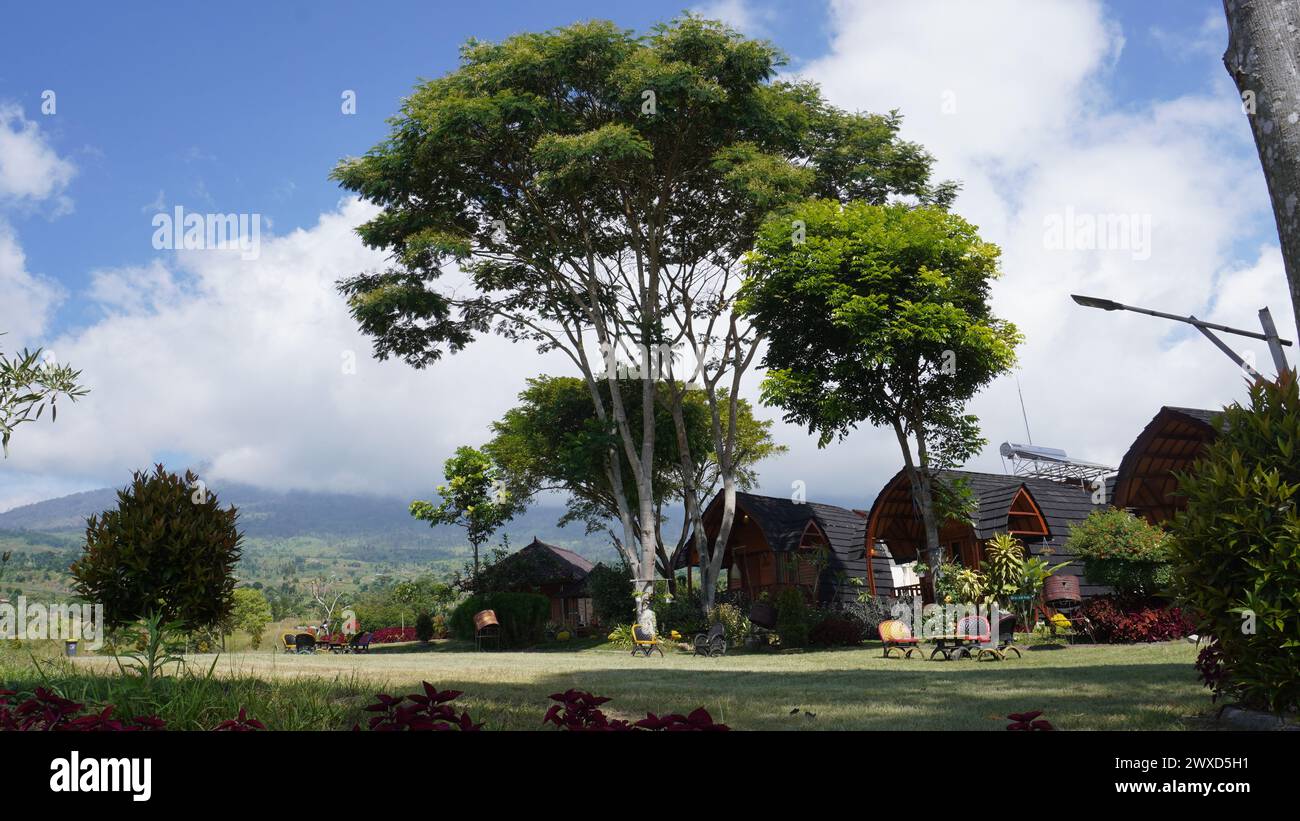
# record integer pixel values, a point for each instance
(545, 563)
(783, 522)
(1199, 414)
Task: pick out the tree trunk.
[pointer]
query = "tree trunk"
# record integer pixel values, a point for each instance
(923, 495)
(1263, 58)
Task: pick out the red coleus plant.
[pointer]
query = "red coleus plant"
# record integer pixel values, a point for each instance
(47, 711)
(241, 724)
(579, 711)
(430, 710)
(1029, 721)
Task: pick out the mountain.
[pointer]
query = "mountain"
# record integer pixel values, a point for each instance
(354, 523)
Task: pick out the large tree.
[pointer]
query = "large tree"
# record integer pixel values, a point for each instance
(582, 180)
(880, 314)
(554, 441)
(1263, 57)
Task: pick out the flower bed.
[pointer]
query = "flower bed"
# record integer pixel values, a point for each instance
(389, 635)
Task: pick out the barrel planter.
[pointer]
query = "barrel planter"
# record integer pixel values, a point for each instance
(1061, 588)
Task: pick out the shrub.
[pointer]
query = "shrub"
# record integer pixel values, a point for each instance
(836, 630)
(733, 620)
(621, 636)
(167, 547)
(1122, 552)
(1236, 550)
(680, 612)
(522, 616)
(424, 627)
(1112, 622)
(792, 622)
(1004, 567)
(251, 613)
(611, 594)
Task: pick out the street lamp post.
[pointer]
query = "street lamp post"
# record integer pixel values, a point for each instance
(1275, 343)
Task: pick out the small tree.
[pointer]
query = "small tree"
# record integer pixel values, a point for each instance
(1236, 549)
(474, 497)
(168, 549)
(27, 385)
(1123, 552)
(251, 613)
(611, 595)
(880, 314)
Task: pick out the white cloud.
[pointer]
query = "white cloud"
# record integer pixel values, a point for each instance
(239, 364)
(1033, 133)
(743, 15)
(29, 299)
(29, 168)
(30, 171)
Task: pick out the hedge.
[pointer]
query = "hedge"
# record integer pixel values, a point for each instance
(523, 616)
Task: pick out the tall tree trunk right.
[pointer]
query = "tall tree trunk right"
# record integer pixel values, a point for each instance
(1263, 58)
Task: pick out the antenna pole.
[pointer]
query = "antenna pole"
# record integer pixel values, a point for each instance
(1024, 415)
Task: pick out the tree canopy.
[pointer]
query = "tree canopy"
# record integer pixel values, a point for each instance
(473, 497)
(880, 314)
(554, 440)
(168, 549)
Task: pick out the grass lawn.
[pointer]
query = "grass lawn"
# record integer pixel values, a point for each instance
(1146, 687)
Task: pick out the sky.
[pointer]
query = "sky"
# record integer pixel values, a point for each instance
(1050, 113)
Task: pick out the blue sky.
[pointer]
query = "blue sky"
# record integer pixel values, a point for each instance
(246, 117)
(240, 112)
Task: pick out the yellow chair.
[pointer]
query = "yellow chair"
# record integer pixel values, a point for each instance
(645, 642)
(896, 635)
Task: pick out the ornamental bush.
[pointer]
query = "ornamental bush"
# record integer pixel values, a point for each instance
(1123, 552)
(611, 594)
(1236, 550)
(792, 619)
(522, 616)
(1114, 623)
(424, 627)
(168, 548)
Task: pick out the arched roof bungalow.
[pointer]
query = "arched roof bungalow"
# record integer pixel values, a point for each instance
(1037, 511)
(1170, 443)
(773, 546)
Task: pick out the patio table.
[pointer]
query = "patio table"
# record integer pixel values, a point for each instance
(952, 645)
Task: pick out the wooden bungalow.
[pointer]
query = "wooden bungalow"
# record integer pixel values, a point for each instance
(1171, 442)
(775, 544)
(1037, 511)
(558, 574)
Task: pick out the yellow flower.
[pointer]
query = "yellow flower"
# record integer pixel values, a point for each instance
(675, 635)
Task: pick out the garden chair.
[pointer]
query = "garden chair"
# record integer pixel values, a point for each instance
(896, 635)
(287, 642)
(645, 642)
(486, 628)
(304, 643)
(712, 643)
(360, 643)
(1006, 640)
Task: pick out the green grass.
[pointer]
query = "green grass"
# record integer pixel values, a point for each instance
(1146, 687)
